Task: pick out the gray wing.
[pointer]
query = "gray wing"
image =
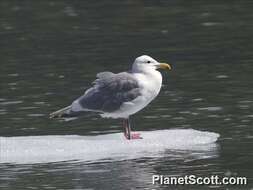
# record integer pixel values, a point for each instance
(109, 92)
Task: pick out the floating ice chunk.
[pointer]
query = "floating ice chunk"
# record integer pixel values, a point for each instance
(43, 149)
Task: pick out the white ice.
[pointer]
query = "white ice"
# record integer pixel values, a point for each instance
(44, 149)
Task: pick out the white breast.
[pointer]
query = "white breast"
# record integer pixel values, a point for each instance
(150, 83)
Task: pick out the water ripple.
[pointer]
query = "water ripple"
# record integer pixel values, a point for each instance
(11, 102)
(36, 115)
(214, 108)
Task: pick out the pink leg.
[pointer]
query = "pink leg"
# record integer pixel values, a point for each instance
(127, 131)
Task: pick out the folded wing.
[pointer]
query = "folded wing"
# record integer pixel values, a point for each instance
(109, 92)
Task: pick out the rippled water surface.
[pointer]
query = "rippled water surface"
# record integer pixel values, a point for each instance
(51, 52)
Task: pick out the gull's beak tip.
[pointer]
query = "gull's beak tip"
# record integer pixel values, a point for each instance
(165, 66)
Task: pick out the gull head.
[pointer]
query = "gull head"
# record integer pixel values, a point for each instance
(146, 63)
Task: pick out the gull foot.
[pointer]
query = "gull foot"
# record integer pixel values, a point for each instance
(136, 136)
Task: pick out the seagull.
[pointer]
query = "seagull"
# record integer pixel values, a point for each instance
(120, 95)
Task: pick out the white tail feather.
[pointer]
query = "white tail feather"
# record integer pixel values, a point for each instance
(60, 113)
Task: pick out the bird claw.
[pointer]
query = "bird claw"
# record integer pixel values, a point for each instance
(134, 136)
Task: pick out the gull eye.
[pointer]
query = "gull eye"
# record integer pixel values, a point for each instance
(148, 61)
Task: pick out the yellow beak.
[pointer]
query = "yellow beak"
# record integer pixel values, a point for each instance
(164, 66)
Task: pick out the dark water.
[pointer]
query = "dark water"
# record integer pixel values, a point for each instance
(52, 50)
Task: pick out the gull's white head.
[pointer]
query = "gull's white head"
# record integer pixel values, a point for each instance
(146, 63)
